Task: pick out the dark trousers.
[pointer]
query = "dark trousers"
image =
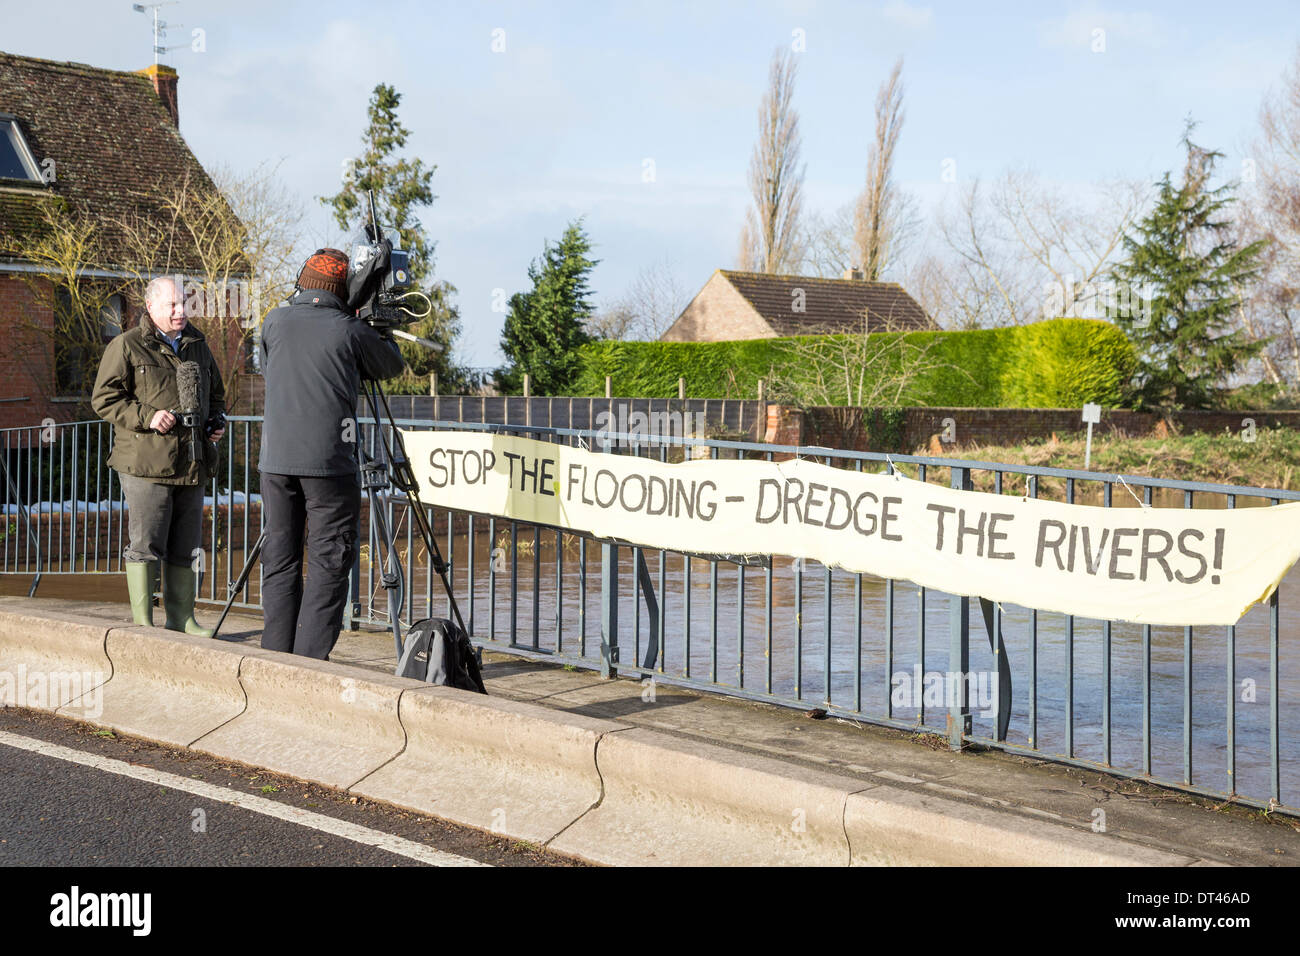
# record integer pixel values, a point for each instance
(164, 521)
(305, 619)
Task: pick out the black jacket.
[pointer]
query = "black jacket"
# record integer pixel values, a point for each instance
(314, 355)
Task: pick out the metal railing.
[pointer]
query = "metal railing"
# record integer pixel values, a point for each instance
(1207, 710)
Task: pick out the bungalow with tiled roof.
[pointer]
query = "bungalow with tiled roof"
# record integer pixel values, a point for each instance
(752, 305)
(98, 145)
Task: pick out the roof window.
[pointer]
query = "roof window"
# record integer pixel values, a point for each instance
(16, 159)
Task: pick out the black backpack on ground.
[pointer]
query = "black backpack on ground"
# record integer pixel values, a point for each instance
(438, 651)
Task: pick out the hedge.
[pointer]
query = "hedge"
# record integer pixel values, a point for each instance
(1058, 363)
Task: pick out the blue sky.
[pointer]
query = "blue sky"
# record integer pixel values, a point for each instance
(560, 123)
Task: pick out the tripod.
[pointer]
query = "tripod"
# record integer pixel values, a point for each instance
(390, 468)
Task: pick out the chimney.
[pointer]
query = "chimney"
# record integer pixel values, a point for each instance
(853, 273)
(164, 84)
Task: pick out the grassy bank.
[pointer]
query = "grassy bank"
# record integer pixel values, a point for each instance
(1271, 460)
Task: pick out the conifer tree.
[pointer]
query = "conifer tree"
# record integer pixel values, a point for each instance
(546, 325)
(1184, 257)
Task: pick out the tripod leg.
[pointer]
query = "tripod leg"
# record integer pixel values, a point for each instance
(240, 581)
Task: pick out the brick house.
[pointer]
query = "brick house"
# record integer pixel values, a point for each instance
(99, 145)
(751, 305)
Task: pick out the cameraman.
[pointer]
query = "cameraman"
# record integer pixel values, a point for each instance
(314, 353)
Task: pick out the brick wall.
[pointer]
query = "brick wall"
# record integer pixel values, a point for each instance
(27, 358)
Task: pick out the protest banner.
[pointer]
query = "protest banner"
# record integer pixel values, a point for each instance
(1147, 565)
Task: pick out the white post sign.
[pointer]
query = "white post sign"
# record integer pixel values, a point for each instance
(1091, 415)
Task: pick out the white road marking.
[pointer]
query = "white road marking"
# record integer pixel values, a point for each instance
(245, 801)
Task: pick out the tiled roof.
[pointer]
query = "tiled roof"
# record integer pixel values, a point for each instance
(112, 142)
(830, 305)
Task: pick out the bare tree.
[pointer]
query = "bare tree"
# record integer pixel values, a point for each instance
(1270, 308)
(1021, 251)
(61, 357)
(771, 240)
(650, 305)
(880, 214)
(828, 247)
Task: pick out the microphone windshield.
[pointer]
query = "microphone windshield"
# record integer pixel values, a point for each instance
(187, 386)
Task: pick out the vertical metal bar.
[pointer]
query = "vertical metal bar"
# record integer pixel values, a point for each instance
(514, 584)
(1275, 692)
(1069, 655)
(537, 586)
(471, 572)
(1187, 686)
(1105, 661)
(826, 634)
(663, 590)
(686, 611)
(1033, 650)
(99, 457)
(767, 615)
(959, 723)
(559, 590)
(450, 559)
(1230, 667)
(492, 579)
(408, 585)
(1146, 677)
(798, 628)
(582, 603)
(713, 605)
(5, 492)
(609, 610)
(740, 625)
(79, 500)
(636, 604)
(857, 630)
(713, 621)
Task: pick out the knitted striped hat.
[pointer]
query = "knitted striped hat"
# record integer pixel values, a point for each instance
(326, 269)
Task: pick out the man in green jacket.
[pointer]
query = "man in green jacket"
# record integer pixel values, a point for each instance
(162, 466)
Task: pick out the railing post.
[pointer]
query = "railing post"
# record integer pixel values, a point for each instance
(959, 723)
(608, 596)
(609, 610)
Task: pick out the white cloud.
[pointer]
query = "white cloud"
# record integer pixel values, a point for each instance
(1077, 29)
(905, 15)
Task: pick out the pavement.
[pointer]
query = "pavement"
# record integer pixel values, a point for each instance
(1191, 829)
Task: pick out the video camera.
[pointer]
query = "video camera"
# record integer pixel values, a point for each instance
(379, 276)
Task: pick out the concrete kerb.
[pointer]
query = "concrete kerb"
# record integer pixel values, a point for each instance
(316, 720)
(891, 826)
(50, 660)
(513, 768)
(170, 687)
(673, 802)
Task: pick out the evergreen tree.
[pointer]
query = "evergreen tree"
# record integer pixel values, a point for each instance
(546, 325)
(1185, 257)
(402, 186)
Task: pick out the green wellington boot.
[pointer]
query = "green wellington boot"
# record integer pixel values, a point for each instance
(178, 599)
(141, 582)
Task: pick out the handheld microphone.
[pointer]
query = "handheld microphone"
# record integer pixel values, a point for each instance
(187, 390)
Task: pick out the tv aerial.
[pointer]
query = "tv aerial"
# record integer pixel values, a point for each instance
(159, 27)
